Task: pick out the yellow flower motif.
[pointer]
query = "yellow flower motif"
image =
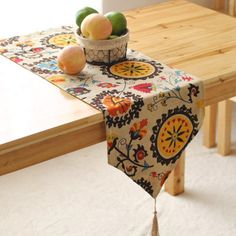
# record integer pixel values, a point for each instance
(161, 95)
(132, 69)
(57, 79)
(3, 50)
(150, 107)
(63, 40)
(110, 139)
(25, 43)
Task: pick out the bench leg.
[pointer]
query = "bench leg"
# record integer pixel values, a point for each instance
(209, 126)
(174, 185)
(224, 127)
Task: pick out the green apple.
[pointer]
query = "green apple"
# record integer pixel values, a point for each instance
(82, 13)
(118, 21)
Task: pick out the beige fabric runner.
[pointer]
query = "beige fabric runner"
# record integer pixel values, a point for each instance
(151, 111)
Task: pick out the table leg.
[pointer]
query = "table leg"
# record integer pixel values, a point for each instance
(209, 126)
(175, 183)
(232, 7)
(224, 127)
(219, 5)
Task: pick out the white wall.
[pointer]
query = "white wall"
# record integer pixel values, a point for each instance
(121, 5)
(26, 16)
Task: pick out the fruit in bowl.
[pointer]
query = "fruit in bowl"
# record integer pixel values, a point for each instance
(71, 59)
(96, 27)
(118, 21)
(107, 51)
(82, 13)
(104, 38)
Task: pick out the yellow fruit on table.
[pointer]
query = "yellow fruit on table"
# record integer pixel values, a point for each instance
(96, 26)
(71, 59)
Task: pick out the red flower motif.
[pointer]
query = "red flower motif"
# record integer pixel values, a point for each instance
(107, 85)
(164, 176)
(154, 174)
(137, 130)
(37, 50)
(187, 78)
(129, 168)
(145, 87)
(111, 140)
(116, 105)
(163, 78)
(143, 123)
(16, 59)
(140, 153)
(109, 143)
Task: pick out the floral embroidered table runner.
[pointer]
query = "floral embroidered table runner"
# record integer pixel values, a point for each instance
(151, 111)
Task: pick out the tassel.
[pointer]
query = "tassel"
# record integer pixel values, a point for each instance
(155, 231)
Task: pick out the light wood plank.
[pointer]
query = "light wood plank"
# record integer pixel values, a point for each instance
(224, 127)
(192, 38)
(175, 183)
(209, 126)
(32, 108)
(46, 149)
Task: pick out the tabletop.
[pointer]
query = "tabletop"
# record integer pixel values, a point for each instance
(34, 127)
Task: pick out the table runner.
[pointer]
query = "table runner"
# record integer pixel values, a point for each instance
(151, 111)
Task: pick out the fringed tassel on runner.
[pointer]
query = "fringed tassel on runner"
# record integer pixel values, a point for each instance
(155, 231)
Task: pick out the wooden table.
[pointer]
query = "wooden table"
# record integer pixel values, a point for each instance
(39, 121)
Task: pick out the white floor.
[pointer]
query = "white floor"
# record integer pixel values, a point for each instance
(78, 194)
